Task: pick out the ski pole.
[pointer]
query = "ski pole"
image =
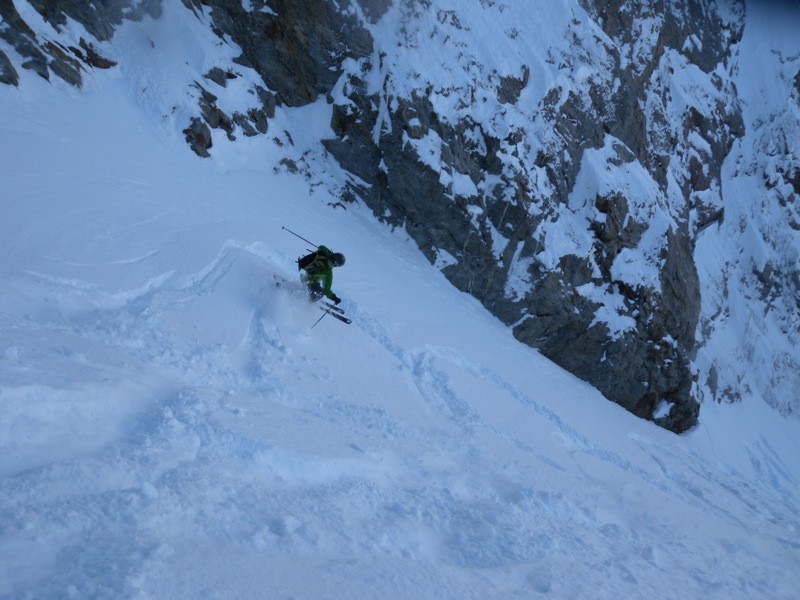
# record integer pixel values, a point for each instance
(299, 236)
(318, 320)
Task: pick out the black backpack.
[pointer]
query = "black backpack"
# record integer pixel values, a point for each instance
(305, 262)
(320, 256)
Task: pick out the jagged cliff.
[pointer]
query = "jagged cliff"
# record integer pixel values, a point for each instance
(557, 160)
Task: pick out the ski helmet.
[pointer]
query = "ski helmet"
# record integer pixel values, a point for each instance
(338, 259)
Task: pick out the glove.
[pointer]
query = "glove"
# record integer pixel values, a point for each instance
(336, 299)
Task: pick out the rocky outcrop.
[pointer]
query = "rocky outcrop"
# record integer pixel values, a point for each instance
(67, 61)
(8, 74)
(296, 47)
(100, 19)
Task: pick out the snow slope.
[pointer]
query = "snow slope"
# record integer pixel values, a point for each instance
(171, 427)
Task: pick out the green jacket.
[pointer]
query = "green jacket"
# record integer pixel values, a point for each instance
(320, 270)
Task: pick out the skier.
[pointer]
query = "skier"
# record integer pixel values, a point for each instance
(317, 273)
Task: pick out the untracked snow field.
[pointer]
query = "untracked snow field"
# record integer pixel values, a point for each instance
(172, 427)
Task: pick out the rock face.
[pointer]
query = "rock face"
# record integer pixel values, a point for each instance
(622, 122)
(561, 174)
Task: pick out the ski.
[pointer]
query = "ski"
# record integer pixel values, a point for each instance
(335, 314)
(334, 307)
